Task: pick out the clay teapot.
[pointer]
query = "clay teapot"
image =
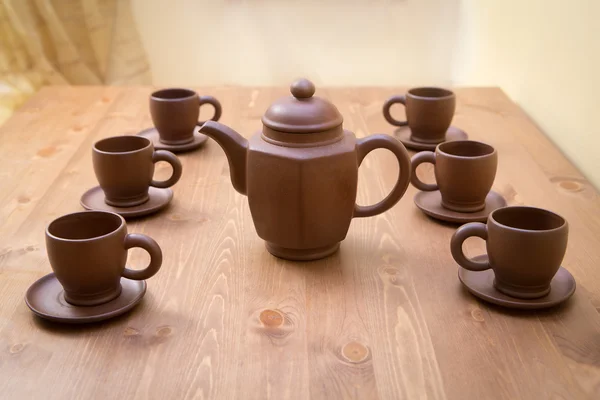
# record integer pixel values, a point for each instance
(300, 173)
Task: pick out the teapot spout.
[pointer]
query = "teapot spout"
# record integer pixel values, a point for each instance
(236, 150)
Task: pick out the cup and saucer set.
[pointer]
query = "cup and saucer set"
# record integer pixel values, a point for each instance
(88, 250)
(89, 283)
(464, 174)
(301, 134)
(124, 165)
(522, 268)
(464, 169)
(175, 114)
(525, 245)
(429, 113)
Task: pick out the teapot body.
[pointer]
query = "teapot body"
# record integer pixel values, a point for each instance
(300, 173)
(302, 198)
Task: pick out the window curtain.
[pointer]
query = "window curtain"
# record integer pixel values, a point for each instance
(67, 42)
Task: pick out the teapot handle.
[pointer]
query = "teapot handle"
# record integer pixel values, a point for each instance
(364, 147)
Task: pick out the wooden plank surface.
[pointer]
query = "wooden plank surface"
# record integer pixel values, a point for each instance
(384, 318)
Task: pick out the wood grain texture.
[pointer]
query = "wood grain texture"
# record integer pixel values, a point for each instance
(384, 318)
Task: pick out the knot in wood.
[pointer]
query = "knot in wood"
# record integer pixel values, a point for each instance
(571, 186)
(477, 315)
(355, 352)
(392, 275)
(271, 318)
(129, 331)
(16, 348)
(164, 331)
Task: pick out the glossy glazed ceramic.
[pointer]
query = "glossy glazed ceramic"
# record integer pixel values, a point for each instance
(300, 173)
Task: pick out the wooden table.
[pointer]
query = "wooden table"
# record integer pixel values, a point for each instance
(385, 317)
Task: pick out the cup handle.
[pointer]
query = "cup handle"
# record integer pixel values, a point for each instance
(364, 147)
(471, 229)
(163, 155)
(215, 103)
(418, 159)
(148, 244)
(386, 110)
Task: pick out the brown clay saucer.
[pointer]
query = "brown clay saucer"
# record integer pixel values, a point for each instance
(152, 134)
(431, 204)
(45, 298)
(93, 199)
(403, 135)
(481, 284)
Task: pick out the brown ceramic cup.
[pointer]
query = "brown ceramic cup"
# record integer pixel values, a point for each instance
(88, 251)
(525, 247)
(175, 113)
(429, 112)
(124, 166)
(464, 172)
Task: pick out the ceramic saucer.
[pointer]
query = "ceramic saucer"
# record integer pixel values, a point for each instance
(403, 135)
(431, 204)
(481, 284)
(45, 298)
(152, 134)
(93, 199)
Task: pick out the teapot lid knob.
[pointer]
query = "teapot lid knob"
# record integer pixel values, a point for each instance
(302, 112)
(302, 89)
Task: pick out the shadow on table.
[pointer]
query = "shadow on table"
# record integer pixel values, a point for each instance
(555, 311)
(79, 329)
(344, 263)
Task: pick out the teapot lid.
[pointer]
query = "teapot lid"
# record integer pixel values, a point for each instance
(302, 112)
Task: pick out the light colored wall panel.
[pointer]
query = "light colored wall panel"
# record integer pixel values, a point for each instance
(271, 42)
(545, 54)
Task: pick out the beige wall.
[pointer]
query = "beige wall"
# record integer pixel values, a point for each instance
(265, 42)
(543, 53)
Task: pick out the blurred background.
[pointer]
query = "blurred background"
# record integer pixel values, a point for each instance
(545, 54)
